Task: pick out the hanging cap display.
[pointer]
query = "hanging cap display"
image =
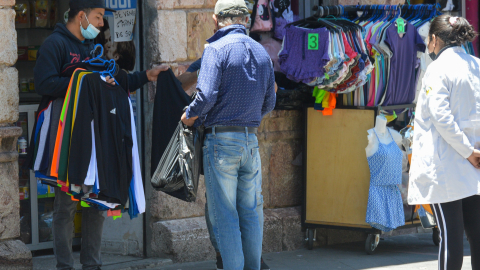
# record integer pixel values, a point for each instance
(224, 7)
(84, 4)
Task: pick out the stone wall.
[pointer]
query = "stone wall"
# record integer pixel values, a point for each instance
(13, 253)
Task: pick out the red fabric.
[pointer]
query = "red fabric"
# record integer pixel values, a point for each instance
(114, 213)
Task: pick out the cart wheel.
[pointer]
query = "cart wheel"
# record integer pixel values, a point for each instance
(371, 243)
(436, 236)
(310, 238)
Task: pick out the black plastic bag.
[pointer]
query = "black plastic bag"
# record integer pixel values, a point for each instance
(179, 169)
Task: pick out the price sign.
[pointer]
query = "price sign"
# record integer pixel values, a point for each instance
(124, 22)
(313, 41)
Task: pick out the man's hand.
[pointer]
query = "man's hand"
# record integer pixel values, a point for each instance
(188, 122)
(152, 74)
(474, 158)
(110, 80)
(276, 87)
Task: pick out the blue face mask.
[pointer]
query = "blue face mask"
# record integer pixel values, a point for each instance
(91, 32)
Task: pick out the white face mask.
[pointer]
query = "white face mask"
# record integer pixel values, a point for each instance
(91, 32)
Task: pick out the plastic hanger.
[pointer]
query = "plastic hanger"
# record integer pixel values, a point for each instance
(110, 65)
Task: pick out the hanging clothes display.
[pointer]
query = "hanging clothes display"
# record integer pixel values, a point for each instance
(396, 39)
(94, 157)
(327, 53)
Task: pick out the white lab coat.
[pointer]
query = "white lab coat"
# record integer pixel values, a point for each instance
(447, 128)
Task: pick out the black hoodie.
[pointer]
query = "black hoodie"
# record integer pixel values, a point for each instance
(62, 48)
(58, 50)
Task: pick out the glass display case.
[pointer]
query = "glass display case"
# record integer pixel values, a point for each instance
(36, 199)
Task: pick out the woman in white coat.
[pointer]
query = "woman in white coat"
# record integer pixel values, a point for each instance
(445, 170)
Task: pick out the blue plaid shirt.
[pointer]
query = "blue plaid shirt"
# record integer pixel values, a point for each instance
(236, 82)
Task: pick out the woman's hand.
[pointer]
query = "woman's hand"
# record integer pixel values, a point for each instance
(474, 158)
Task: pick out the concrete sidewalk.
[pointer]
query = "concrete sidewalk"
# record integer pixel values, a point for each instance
(110, 262)
(410, 252)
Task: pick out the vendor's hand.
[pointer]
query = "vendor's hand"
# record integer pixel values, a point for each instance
(110, 80)
(188, 122)
(474, 158)
(276, 87)
(152, 74)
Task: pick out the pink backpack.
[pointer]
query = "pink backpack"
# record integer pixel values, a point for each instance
(262, 16)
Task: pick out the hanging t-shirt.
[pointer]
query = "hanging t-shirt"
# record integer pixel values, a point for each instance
(401, 84)
(108, 106)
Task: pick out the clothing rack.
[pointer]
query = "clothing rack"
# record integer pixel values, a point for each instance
(350, 11)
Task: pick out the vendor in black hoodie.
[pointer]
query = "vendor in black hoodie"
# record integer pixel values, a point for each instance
(72, 43)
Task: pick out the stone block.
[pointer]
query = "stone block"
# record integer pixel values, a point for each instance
(8, 157)
(8, 3)
(9, 201)
(179, 4)
(8, 42)
(200, 27)
(184, 4)
(169, 36)
(186, 240)
(8, 90)
(292, 236)
(285, 187)
(335, 236)
(164, 4)
(210, 3)
(8, 139)
(289, 220)
(14, 255)
(282, 135)
(165, 207)
(272, 232)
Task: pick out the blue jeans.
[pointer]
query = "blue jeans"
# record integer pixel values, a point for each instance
(259, 210)
(233, 174)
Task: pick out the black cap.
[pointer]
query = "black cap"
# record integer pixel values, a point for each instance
(84, 4)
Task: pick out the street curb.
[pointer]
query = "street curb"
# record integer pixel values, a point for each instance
(140, 264)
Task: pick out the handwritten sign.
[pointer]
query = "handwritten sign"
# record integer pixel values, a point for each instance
(124, 22)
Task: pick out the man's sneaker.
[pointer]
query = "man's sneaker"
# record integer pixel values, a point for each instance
(264, 266)
(219, 263)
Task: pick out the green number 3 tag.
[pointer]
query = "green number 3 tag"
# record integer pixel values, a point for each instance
(400, 26)
(313, 41)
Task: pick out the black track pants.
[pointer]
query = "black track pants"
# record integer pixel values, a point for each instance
(453, 219)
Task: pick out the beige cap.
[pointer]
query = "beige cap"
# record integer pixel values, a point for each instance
(223, 7)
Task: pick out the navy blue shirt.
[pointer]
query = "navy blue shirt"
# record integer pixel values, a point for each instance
(236, 82)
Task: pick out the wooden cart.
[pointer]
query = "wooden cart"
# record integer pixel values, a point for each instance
(336, 172)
